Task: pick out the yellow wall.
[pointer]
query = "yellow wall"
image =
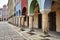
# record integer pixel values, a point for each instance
(56, 7)
(35, 20)
(58, 21)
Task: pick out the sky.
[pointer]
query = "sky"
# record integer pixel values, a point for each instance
(2, 2)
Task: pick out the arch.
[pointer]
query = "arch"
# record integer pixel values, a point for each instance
(18, 8)
(32, 5)
(24, 11)
(47, 4)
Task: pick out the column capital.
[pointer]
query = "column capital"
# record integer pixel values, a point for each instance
(45, 11)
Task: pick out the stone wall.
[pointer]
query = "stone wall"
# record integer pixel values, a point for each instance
(58, 21)
(35, 20)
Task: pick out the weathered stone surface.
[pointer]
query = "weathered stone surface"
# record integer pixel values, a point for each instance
(8, 33)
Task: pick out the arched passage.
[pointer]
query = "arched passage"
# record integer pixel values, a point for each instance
(52, 21)
(24, 12)
(32, 5)
(35, 10)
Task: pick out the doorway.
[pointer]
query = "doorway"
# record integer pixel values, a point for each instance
(52, 21)
(24, 13)
(39, 21)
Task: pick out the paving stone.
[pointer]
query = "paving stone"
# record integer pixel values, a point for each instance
(8, 33)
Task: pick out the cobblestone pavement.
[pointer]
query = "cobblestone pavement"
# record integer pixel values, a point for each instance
(37, 34)
(8, 33)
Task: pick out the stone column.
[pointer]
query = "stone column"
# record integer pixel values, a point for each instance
(45, 27)
(30, 22)
(27, 22)
(36, 20)
(19, 21)
(22, 23)
(15, 20)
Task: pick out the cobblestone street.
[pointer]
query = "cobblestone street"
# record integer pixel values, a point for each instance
(8, 33)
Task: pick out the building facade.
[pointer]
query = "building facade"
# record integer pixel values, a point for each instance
(43, 14)
(24, 6)
(18, 12)
(0, 14)
(5, 13)
(11, 11)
